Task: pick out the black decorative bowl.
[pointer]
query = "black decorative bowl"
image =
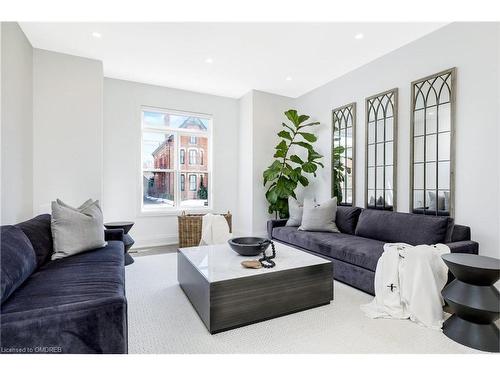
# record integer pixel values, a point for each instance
(249, 246)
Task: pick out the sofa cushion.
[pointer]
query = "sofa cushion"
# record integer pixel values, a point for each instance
(412, 229)
(295, 210)
(359, 251)
(39, 233)
(347, 218)
(460, 233)
(72, 305)
(17, 259)
(83, 277)
(75, 230)
(319, 217)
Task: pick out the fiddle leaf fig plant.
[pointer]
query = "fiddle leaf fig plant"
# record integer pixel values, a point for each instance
(287, 171)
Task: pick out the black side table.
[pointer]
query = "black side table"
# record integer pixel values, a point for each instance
(474, 300)
(128, 241)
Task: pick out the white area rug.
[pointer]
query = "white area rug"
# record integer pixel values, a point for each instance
(162, 320)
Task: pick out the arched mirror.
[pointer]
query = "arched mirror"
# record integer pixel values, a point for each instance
(432, 135)
(381, 150)
(343, 154)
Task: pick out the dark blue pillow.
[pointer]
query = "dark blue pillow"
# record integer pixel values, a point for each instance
(40, 235)
(347, 218)
(17, 259)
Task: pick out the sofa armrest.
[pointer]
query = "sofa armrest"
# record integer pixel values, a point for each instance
(113, 235)
(271, 224)
(469, 247)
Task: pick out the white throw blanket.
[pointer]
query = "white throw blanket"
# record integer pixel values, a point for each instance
(408, 284)
(214, 230)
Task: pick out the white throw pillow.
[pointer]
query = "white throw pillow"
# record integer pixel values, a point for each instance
(319, 217)
(75, 230)
(295, 210)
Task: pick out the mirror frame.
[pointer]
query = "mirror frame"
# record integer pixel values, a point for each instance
(452, 101)
(395, 93)
(353, 172)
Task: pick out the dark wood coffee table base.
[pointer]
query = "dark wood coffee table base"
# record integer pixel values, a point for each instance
(233, 303)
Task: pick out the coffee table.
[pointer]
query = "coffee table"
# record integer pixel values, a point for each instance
(226, 295)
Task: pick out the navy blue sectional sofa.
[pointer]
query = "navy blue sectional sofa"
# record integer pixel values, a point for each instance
(356, 250)
(70, 305)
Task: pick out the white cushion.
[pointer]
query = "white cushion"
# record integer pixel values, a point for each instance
(75, 230)
(319, 217)
(295, 210)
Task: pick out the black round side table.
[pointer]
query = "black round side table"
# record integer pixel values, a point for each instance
(128, 241)
(474, 300)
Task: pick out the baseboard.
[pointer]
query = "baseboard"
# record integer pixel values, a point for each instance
(172, 239)
(245, 234)
(157, 240)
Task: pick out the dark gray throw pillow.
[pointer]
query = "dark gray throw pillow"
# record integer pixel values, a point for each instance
(39, 233)
(17, 260)
(75, 230)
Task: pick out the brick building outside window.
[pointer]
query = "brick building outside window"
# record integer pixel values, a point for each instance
(175, 150)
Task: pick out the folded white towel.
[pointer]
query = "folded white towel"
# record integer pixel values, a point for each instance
(214, 230)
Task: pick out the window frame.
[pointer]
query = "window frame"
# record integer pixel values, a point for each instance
(392, 96)
(182, 156)
(345, 111)
(192, 151)
(452, 74)
(195, 181)
(178, 168)
(182, 181)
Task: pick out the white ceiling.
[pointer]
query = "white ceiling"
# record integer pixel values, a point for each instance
(245, 55)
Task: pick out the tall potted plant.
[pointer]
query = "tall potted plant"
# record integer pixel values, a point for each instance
(287, 171)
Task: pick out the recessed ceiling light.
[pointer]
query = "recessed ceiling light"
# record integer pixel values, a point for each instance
(97, 35)
(359, 36)
(209, 60)
(288, 78)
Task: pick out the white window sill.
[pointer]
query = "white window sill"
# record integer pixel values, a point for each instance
(175, 211)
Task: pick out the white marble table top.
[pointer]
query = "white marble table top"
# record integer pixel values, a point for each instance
(220, 262)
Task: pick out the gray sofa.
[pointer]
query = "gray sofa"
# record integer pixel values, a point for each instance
(355, 251)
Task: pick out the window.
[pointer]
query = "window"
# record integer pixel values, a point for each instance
(381, 151)
(344, 134)
(193, 154)
(192, 182)
(432, 134)
(166, 135)
(183, 182)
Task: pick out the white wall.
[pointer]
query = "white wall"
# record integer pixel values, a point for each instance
(473, 49)
(67, 136)
(261, 115)
(268, 114)
(245, 166)
(17, 127)
(122, 159)
(497, 284)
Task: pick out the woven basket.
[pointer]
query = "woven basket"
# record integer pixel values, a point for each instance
(190, 228)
